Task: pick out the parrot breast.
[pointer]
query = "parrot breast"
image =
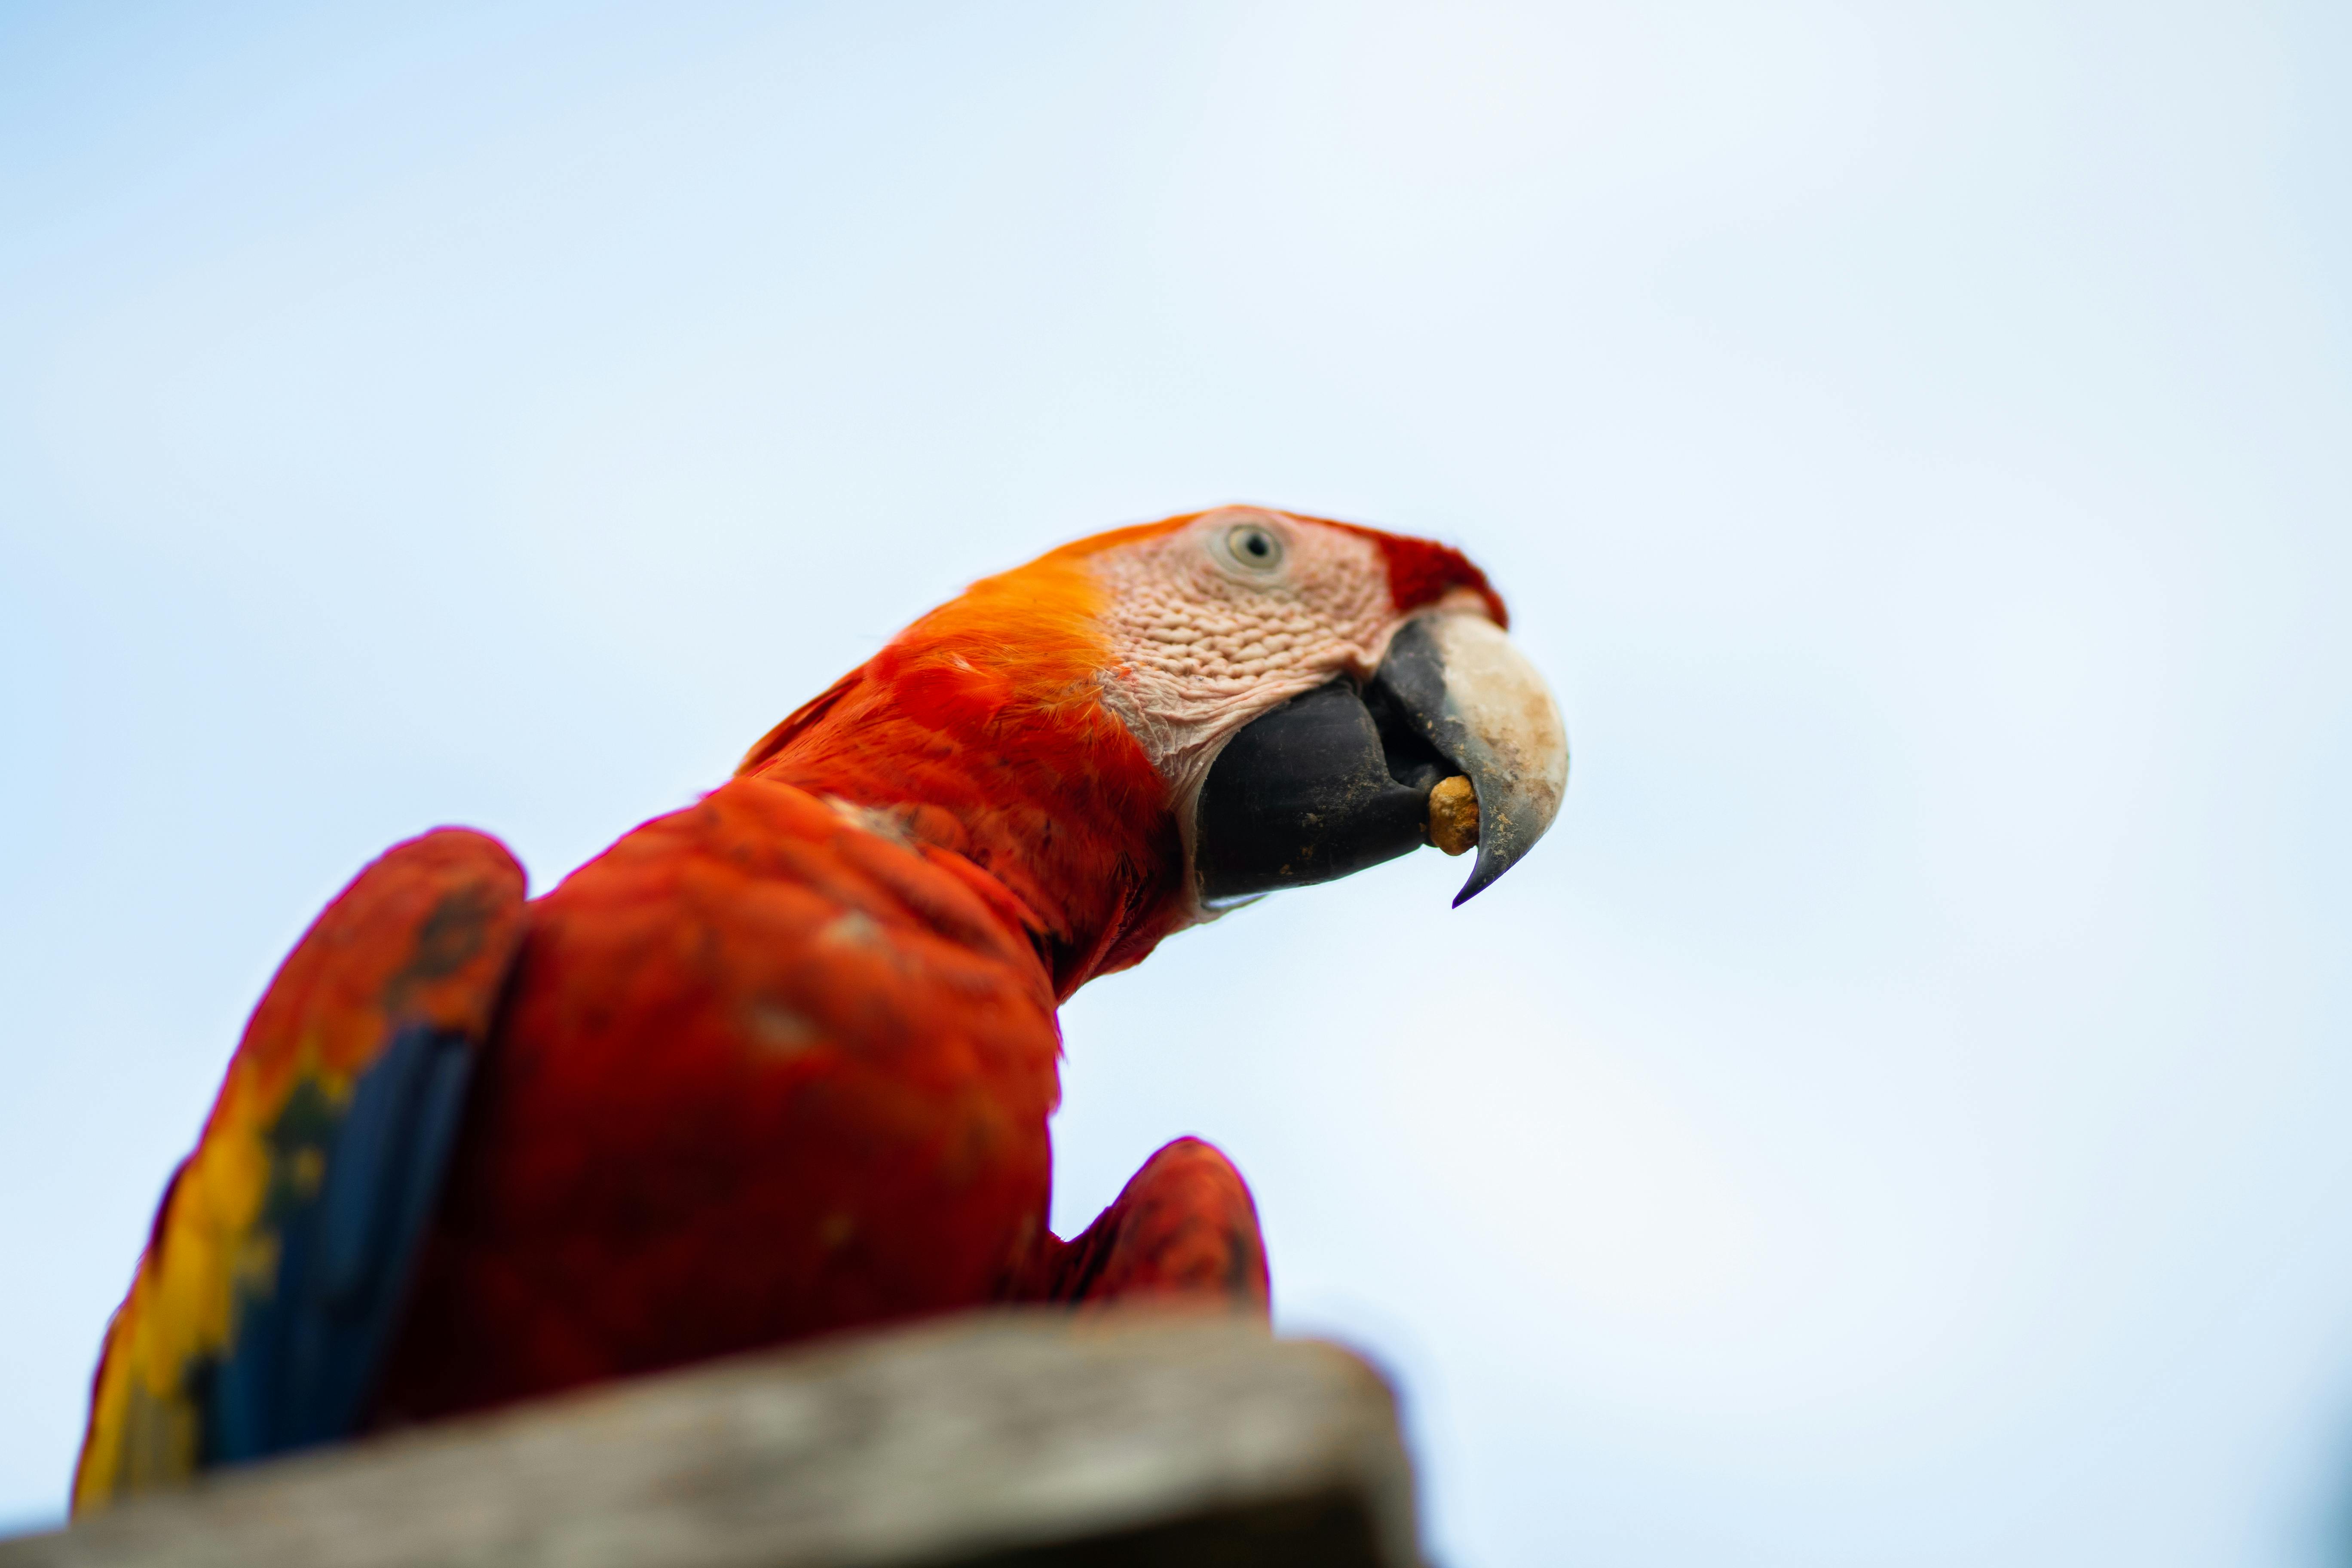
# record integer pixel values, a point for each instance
(761, 1073)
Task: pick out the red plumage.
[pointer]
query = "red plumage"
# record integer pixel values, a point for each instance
(777, 1064)
(782, 1063)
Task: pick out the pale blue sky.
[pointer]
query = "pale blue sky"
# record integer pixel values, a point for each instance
(1901, 1115)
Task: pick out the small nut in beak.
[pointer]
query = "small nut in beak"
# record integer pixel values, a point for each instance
(1454, 816)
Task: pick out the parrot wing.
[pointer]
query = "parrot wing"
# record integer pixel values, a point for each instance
(282, 1248)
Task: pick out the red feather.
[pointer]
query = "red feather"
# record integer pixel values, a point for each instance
(772, 1066)
(764, 1072)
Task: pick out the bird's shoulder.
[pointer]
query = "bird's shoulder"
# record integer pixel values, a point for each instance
(771, 914)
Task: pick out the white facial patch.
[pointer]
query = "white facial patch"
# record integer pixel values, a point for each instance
(1214, 624)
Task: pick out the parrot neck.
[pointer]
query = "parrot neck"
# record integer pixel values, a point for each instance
(999, 749)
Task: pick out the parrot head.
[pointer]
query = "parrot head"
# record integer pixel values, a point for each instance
(1139, 729)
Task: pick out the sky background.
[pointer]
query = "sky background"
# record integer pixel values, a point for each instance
(1898, 1116)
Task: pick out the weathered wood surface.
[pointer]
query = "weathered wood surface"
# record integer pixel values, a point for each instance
(1015, 1438)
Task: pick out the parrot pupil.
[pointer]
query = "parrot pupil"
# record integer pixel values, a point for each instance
(1254, 546)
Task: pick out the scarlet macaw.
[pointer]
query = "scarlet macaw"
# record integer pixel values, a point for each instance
(781, 1063)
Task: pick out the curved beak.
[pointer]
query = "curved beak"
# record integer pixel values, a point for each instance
(1481, 706)
(1454, 741)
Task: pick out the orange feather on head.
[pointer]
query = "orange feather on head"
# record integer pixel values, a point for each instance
(988, 712)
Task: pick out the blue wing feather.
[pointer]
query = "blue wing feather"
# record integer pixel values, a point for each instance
(307, 1354)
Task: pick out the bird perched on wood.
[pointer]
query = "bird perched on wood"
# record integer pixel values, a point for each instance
(780, 1063)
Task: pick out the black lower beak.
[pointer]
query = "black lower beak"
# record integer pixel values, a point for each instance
(1314, 790)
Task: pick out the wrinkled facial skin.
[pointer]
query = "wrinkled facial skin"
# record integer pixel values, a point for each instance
(1204, 637)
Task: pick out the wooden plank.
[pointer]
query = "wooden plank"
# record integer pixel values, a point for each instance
(1027, 1438)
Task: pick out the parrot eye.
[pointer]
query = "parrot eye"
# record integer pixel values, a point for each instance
(1253, 547)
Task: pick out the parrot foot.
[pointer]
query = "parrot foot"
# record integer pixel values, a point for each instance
(1183, 1232)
